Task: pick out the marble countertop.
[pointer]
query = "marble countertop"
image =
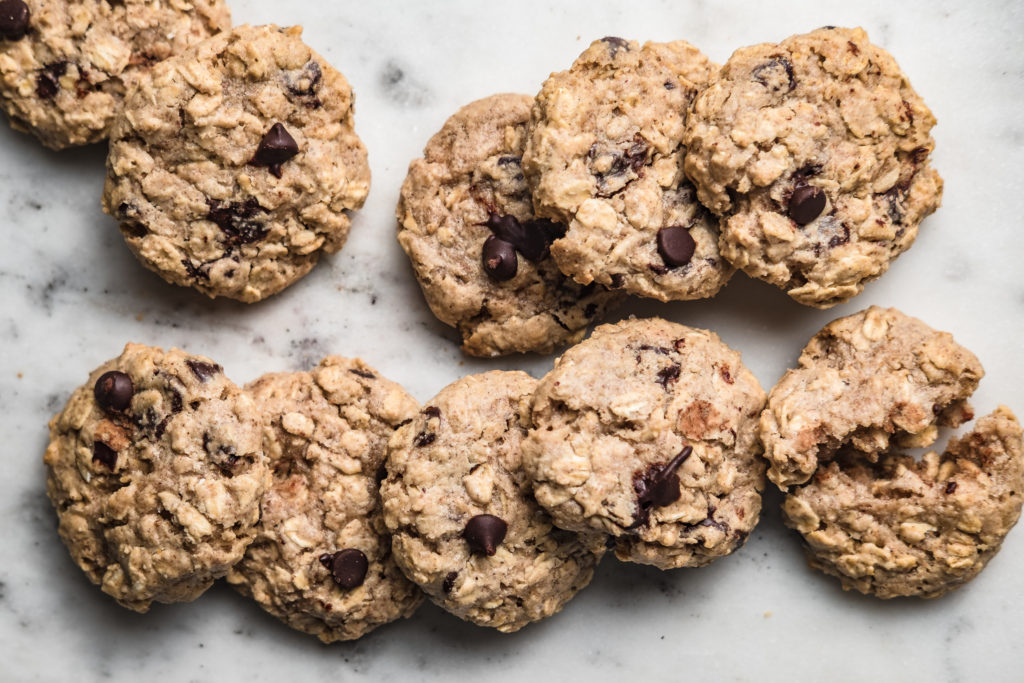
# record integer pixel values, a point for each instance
(73, 295)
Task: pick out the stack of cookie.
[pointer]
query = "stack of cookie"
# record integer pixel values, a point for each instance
(336, 502)
(233, 161)
(648, 170)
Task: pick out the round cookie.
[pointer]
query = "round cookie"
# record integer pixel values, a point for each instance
(605, 157)
(235, 164)
(467, 201)
(321, 561)
(871, 380)
(156, 472)
(898, 527)
(648, 432)
(815, 152)
(466, 528)
(66, 65)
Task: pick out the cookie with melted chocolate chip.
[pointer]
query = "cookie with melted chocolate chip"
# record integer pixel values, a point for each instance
(647, 431)
(322, 561)
(156, 471)
(604, 157)
(66, 65)
(234, 166)
(466, 527)
(479, 252)
(815, 152)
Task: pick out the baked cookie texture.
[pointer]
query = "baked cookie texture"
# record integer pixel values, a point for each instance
(321, 561)
(648, 431)
(468, 190)
(65, 78)
(870, 381)
(234, 165)
(466, 528)
(156, 472)
(605, 157)
(896, 527)
(815, 152)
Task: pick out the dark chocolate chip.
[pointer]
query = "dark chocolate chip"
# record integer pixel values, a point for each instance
(307, 84)
(658, 486)
(364, 374)
(424, 439)
(951, 487)
(348, 567)
(528, 237)
(114, 391)
(176, 404)
(484, 533)
(552, 230)
(432, 411)
(449, 582)
(770, 74)
(615, 44)
(203, 371)
(667, 375)
(14, 19)
(48, 80)
(676, 245)
(499, 257)
(510, 160)
(235, 219)
(670, 85)
(104, 454)
(617, 279)
(276, 147)
(806, 204)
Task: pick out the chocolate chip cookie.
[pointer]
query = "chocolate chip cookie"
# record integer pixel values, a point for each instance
(605, 158)
(648, 431)
(480, 254)
(234, 165)
(466, 528)
(321, 561)
(870, 381)
(156, 472)
(815, 152)
(899, 527)
(66, 65)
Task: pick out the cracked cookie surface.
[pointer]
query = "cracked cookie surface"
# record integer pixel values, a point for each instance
(466, 528)
(64, 76)
(467, 192)
(900, 527)
(156, 472)
(605, 158)
(234, 165)
(815, 152)
(871, 380)
(321, 561)
(648, 431)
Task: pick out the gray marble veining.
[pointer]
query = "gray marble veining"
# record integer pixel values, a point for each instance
(73, 295)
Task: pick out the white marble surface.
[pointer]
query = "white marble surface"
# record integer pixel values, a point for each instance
(72, 295)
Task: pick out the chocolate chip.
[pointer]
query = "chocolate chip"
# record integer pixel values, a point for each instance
(363, 373)
(276, 147)
(667, 375)
(307, 84)
(616, 280)
(14, 16)
(48, 80)
(176, 404)
(424, 439)
(658, 486)
(432, 411)
(235, 219)
(449, 582)
(806, 204)
(114, 391)
(348, 567)
(770, 74)
(484, 533)
(104, 454)
(203, 371)
(951, 487)
(676, 245)
(528, 237)
(499, 258)
(615, 44)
